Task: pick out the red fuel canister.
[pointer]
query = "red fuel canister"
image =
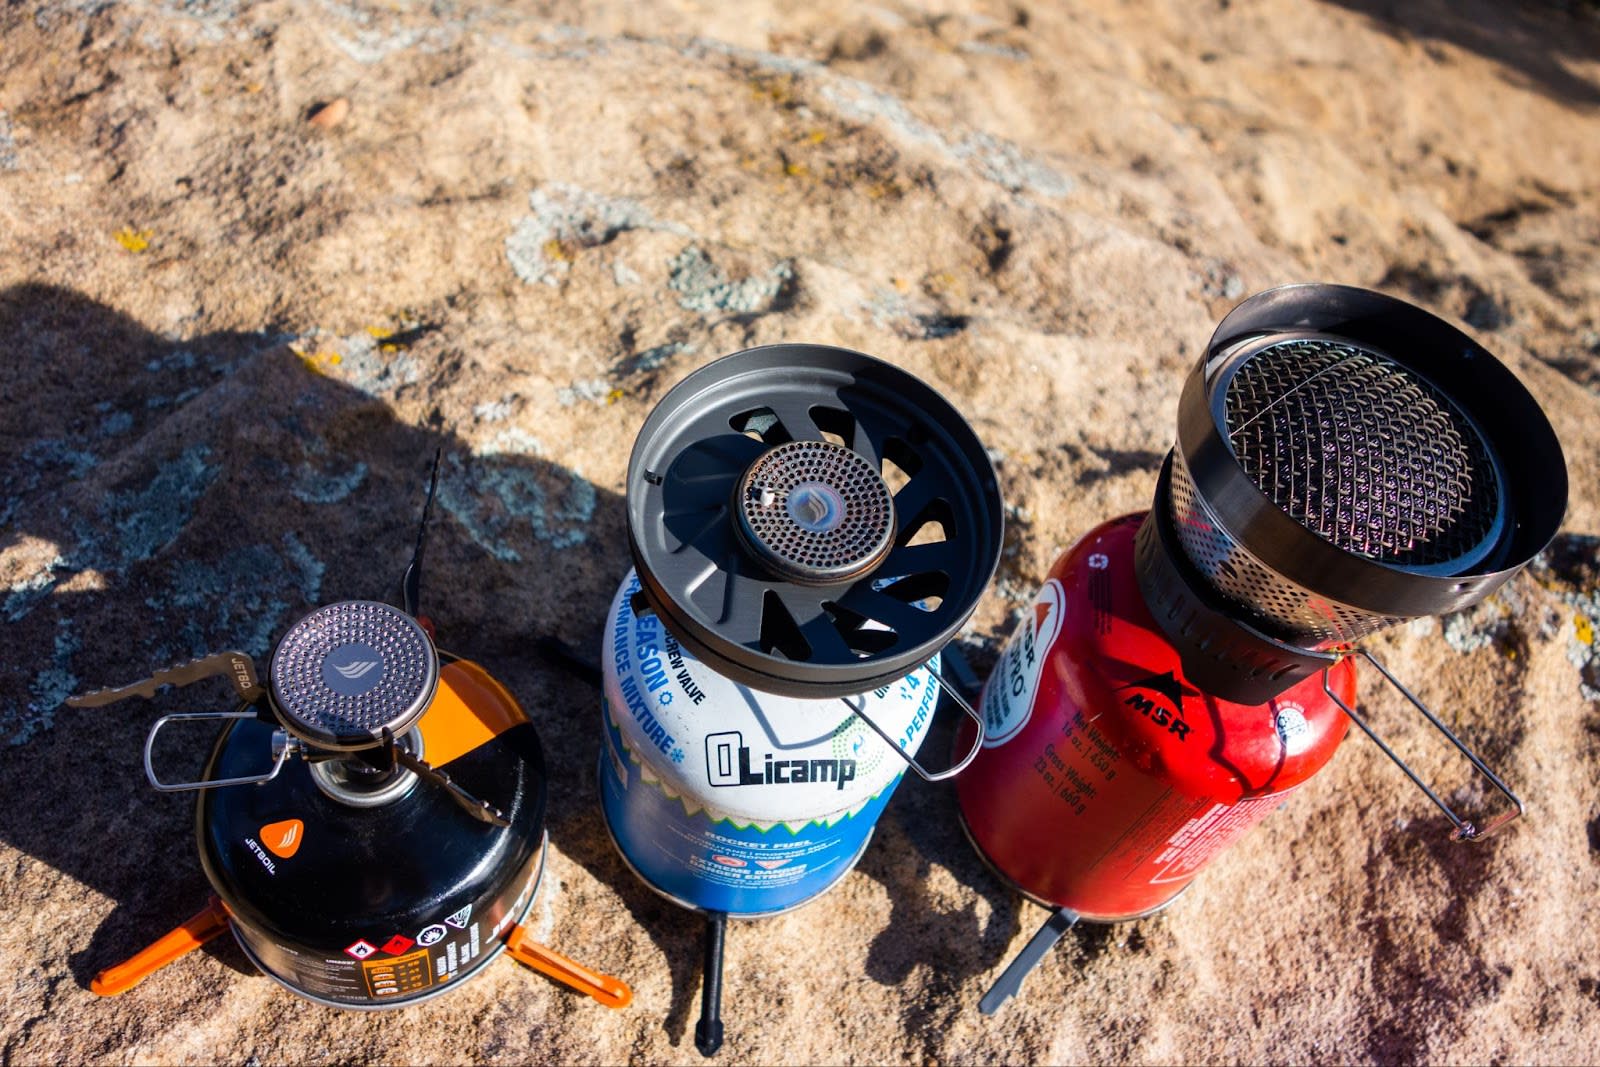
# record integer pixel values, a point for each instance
(1343, 461)
(1121, 778)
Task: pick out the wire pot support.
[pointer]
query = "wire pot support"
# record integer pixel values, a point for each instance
(1464, 830)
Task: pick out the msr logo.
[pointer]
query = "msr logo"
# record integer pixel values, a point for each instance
(1159, 698)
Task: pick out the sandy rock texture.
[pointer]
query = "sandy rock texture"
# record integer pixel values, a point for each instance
(231, 338)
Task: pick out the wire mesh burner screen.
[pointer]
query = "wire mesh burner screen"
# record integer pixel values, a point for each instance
(347, 670)
(1239, 575)
(816, 511)
(1365, 454)
(1344, 461)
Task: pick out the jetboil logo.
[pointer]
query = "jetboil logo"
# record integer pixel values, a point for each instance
(353, 669)
(728, 763)
(1160, 699)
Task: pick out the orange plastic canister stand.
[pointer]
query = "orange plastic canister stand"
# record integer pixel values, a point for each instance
(194, 932)
(612, 992)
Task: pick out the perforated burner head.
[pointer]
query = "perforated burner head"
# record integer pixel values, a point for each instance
(1359, 450)
(815, 512)
(347, 671)
(1346, 460)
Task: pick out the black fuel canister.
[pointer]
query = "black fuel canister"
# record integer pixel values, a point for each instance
(397, 900)
(371, 818)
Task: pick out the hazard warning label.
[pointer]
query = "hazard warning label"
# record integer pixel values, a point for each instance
(1009, 696)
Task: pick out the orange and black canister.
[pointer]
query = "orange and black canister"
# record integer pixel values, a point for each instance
(371, 820)
(356, 882)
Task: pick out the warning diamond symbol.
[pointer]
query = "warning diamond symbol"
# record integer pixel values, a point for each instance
(397, 944)
(459, 919)
(360, 950)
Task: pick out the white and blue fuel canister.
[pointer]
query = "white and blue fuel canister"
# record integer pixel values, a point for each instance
(727, 799)
(809, 528)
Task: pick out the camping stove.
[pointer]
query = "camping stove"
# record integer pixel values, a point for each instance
(1344, 461)
(371, 820)
(809, 527)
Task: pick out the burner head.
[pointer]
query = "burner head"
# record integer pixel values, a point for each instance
(1368, 455)
(815, 512)
(1360, 451)
(811, 521)
(347, 671)
(1345, 461)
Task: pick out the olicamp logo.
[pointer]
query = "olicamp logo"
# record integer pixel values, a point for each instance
(728, 762)
(1158, 698)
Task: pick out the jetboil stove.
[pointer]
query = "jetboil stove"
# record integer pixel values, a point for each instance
(371, 819)
(809, 527)
(1344, 461)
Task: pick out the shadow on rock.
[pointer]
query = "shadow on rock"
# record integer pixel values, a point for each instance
(920, 841)
(166, 499)
(1428, 963)
(919, 844)
(919, 832)
(577, 824)
(1531, 41)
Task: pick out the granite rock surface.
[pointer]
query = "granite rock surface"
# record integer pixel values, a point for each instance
(237, 317)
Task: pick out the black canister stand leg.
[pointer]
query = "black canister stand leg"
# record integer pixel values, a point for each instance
(1010, 981)
(708, 1031)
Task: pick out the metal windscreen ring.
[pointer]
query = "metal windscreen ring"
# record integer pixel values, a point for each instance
(1346, 460)
(1222, 652)
(811, 521)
